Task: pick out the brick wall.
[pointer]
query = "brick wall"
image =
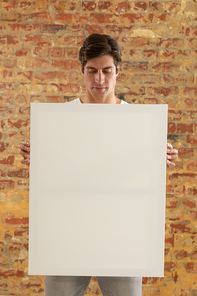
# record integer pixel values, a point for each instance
(39, 43)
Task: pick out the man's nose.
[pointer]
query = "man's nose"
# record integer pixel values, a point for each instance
(99, 77)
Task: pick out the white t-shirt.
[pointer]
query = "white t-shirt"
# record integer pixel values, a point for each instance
(78, 101)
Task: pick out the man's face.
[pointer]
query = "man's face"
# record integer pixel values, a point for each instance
(100, 78)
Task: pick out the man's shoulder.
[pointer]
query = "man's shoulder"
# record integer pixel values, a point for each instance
(123, 102)
(75, 101)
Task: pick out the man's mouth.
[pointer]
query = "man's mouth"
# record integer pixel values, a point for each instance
(99, 88)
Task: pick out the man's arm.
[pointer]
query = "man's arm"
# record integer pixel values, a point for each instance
(172, 154)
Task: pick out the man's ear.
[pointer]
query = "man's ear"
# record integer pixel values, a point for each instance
(117, 70)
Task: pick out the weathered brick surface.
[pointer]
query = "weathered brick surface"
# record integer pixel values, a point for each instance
(39, 43)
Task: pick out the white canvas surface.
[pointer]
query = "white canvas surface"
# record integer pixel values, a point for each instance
(97, 189)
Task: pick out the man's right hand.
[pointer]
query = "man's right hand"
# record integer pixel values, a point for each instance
(25, 152)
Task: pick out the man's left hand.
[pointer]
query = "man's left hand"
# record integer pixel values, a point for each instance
(172, 154)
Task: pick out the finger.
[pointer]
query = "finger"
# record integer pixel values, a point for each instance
(26, 143)
(172, 151)
(24, 147)
(25, 161)
(172, 157)
(169, 146)
(24, 154)
(169, 164)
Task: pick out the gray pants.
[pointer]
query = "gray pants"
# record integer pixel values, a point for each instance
(77, 285)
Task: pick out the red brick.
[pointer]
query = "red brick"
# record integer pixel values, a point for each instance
(176, 190)
(168, 55)
(191, 91)
(9, 273)
(191, 267)
(9, 5)
(24, 110)
(171, 127)
(188, 203)
(6, 184)
(71, 53)
(192, 139)
(179, 255)
(136, 42)
(22, 52)
(12, 221)
(183, 176)
(174, 114)
(192, 114)
(180, 227)
(26, 74)
(100, 18)
(54, 99)
(14, 246)
(150, 101)
(164, 91)
(150, 280)
(9, 86)
(102, 5)
(123, 6)
(140, 6)
(169, 266)
(185, 128)
(38, 17)
(169, 241)
(194, 215)
(7, 73)
(7, 161)
(51, 28)
(150, 53)
(8, 63)
(37, 63)
(1, 247)
(178, 78)
(49, 75)
(23, 27)
(3, 146)
(192, 166)
(9, 39)
(69, 88)
(66, 65)
(192, 191)
(185, 152)
(188, 102)
(88, 5)
(134, 67)
(21, 232)
(18, 123)
(166, 66)
(171, 204)
(22, 173)
(134, 18)
(21, 98)
(38, 40)
(4, 110)
(193, 255)
(170, 42)
(55, 52)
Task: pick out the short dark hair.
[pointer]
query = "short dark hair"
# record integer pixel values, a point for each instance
(98, 45)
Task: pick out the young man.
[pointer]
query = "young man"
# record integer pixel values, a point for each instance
(100, 57)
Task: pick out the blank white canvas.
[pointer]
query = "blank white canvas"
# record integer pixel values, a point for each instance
(97, 189)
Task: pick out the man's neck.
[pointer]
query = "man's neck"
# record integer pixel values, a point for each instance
(90, 100)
